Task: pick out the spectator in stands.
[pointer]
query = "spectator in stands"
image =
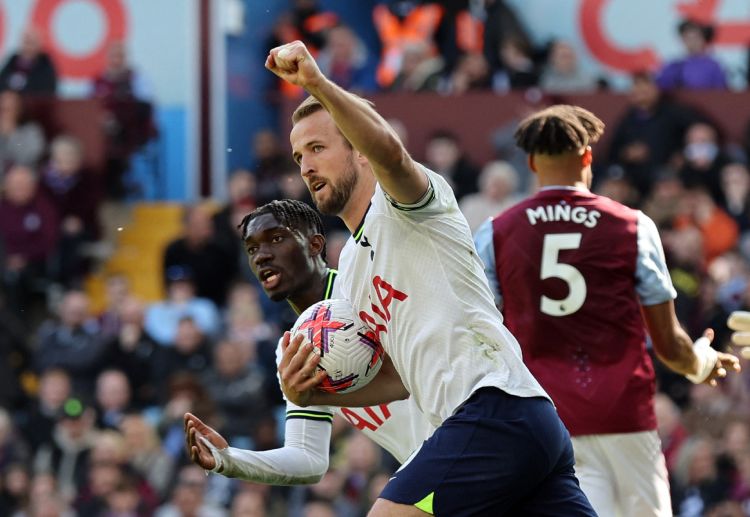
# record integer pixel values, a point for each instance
(669, 427)
(271, 161)
(15, 494)
(184, 394)
(15, 355)
(107, 468)
(13, 448)
(188, 496)
(113, 398)
(498, 190)
(132, 350)
(213, 268)
(22, 139)
(420, 71)
(72, 342)
(38, 419)
(307, 22)
(518, 69)
(735, 187)
(126, 97)
(241, 191)
(697, 70)
(443, 154)
(238, 386)
(145, 455)
(117, 291)
(703, 159)
(470, 74)
(75, 193)
(66, 455)
(718, 229)
(28, 234)
(501, 23)
(163, 318)
(649, 134)
(460, 32)
(29, 70)
(125, 499)
(189, 352)
(664, 201)
(346, 60)
(248, 504)
(407, 32)
(243, 319)
(562, 73)
(696, 482)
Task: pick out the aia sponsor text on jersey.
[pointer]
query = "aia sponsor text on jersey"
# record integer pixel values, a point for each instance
(380, 309)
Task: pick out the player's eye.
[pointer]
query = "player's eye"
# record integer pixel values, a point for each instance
(317, 148)
(277, 238)
(297, 158)
(251, 250)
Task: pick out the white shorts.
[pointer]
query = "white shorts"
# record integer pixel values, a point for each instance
(623, 474)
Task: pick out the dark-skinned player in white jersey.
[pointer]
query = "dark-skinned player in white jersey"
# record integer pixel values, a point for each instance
(285, 244)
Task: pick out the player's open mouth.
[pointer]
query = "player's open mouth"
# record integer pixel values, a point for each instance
(318, 186)
(269, 279)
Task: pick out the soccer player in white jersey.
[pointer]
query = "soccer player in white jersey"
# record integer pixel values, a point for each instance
(412, 271)
(285, 244)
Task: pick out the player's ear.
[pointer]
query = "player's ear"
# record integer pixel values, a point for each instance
(587, 157)
(530, 161)
(317, 243)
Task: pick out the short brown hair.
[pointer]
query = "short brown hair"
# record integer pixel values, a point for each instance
(558, 129)
(306, 108)
(312, 105)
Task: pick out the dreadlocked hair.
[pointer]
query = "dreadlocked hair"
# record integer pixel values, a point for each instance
(295, 215)
(558, 129)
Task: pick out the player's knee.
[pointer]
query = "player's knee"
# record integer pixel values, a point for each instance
(386, 508)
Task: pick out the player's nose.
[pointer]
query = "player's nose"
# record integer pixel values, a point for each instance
(262, 256)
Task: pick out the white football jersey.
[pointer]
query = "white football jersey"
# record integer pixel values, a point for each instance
(399, 427)
(413, 273)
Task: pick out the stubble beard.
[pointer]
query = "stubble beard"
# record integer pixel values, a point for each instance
(340, 192)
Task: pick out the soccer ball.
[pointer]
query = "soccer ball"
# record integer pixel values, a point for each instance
(350, 353)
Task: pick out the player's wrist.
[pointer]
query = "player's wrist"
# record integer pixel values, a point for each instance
(706, 357)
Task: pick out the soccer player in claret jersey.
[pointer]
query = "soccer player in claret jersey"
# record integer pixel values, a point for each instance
(576, 274)
(411, 270)
(286, 248)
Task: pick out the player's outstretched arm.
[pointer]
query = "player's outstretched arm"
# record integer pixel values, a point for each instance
(302, 460)
(697, 361)
(357, 120)
(299, 380)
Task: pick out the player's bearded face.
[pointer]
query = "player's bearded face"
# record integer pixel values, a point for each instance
(332, 200)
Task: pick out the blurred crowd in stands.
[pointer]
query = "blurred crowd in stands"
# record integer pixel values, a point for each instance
(91, 404)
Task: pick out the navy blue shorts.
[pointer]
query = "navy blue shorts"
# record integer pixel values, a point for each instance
(497, 455)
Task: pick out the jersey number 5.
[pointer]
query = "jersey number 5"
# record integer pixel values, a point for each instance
(552, 268)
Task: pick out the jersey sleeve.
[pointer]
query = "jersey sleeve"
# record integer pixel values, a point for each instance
(302, 460)
(484, 242)
(653, 283)
(438, 198)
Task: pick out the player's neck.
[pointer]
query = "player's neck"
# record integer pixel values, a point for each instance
(557, 175)
(313, 293)
(359, 201)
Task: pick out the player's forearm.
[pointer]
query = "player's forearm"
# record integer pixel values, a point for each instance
(672, 344)
(678, 355)
(365, 129)
(302, 460)
(384, 388)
